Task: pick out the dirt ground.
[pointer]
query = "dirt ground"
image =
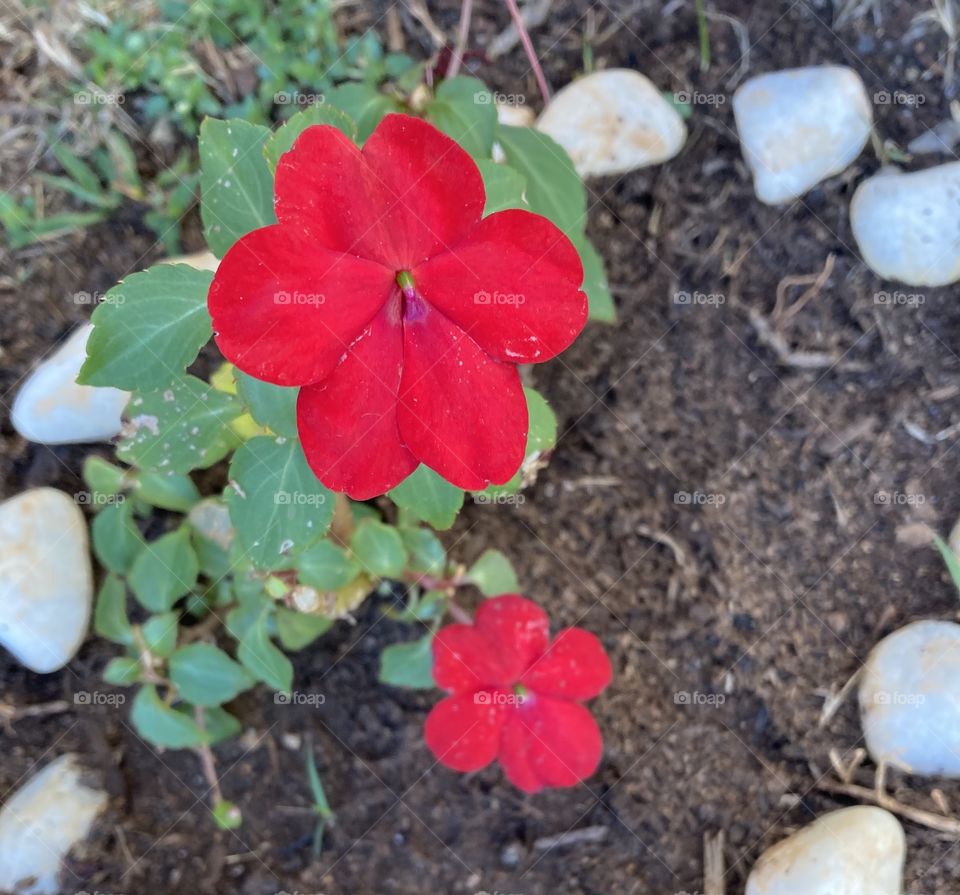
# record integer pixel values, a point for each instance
(763, 590)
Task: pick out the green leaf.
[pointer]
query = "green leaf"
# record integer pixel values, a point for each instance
(212, 560)
(602, 306)
(110, 615)
(235, 181)
(148, 329)
(164, 571)
(79, 170)
(207, 676)
(493, 574)
(428, 496)
(262, 659)
(162, 725)
(541, 437)
(554, 189)
(226, 815)
(463, 109)
(167, 491)
(116, 538)
(160, 633)
(426, 552)
(270, 405)
(378, 548)
(299, 629)
(185, 426)
(277, 505)
(950, 558)
(100, 198)
(408, 664)
(283, 139)
(122, 671)
(542, 432)
(325, 566)
(219, 725)
(364, 104)
(504, 187)
(102, 478)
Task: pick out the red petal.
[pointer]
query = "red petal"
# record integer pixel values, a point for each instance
(463, 733)
(324, 187)
(516, 629)
(348, 422)
(574, 667)
(549, 742)
(464, 660)
(410, 193)
(436, 188)
(514, 284)
(285, 309)
(461, 412)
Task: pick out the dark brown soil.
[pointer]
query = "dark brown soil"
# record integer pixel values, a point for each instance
(768, 587)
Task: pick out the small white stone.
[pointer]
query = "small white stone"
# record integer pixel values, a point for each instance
(41, 822)
(613, 121)
(204, 260)
(51, 408)
(515, 114)
(910, 699)
(800, 126)
(46, 578)
(853, 851)
(908, 225)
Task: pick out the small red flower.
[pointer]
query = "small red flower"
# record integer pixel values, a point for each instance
(400, 310)
(516, 696)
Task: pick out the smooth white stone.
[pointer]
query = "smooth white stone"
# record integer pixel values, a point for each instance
(46, 578)
(800, 126)
(853, 851)
(613, 121)
(204, 260)
(908, 225)
(910, 699)
(41, 822)
(515, 115)
(51, 408)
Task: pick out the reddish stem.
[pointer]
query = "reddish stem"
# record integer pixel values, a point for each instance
(463, 33)
(528, 48)
(459, 614)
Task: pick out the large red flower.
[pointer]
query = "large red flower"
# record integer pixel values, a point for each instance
(516, 696)
(399, 308)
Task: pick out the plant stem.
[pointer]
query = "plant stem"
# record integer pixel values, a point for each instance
(702, 28)
(458, 613)
(528, 49)
(463, 33)
(207, 760)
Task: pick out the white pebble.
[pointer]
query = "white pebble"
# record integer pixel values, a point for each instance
(204, 260)
(800, 126)
(51, 408)
(46, 579)
(910, 699)
(908, 225)
(613, 121)
(41, 822)
(853, 851)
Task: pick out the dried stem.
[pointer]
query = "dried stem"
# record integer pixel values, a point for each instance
(871, 796)
(463, 33)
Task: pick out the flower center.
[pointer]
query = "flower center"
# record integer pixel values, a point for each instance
(521, 693)
(412, 306)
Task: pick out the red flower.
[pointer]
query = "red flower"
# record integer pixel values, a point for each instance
(516, 696)
(399, 308)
